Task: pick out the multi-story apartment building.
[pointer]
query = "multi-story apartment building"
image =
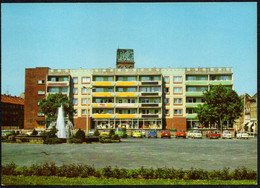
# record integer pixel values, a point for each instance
(12, 112)
(124, 96)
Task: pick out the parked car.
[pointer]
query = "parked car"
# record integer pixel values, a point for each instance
(152, 133)
(104, 133)
(189, 134)
(242, 134)
(226, 134)
(143, 133)
(214, 134)
(165, 133)
(91, 132)
(40, 133)
(196, 134)
(6, 132)
(129, 133)
(121, 132)
(137, 133)
(180, 133)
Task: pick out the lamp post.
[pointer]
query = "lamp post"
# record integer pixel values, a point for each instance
(87, 113)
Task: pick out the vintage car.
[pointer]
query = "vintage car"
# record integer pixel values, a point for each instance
(214, 134)
(196, 134)
(180, 133)
(137, 133)
(165, 133)
(242, 134)
(226, 134)
(121, 132)
(91, 132)
(152, 133)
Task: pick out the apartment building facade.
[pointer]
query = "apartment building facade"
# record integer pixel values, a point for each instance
(135, 98)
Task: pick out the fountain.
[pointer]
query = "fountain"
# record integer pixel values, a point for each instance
(65, 130)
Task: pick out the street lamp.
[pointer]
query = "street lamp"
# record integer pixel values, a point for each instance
(87, 113)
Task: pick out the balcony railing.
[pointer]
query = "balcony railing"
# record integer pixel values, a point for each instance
(103, 115)
(103, 94)
(196, 82)
(103, 105)
(127, 94)
(223, 82)
(193, 93)
(193, 104)
(152, 94)
(103, 83)
(151, 105)
(127, 105)
(126, 83)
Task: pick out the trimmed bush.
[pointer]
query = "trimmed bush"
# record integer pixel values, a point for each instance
(111, 133)
(78, 170)
(96, 133)
(105, 140)
(75, 140)
(52, 141)
(80, 134)
(115, 137)
(34, 133)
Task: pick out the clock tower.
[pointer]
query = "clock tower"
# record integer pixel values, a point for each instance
(125, 59)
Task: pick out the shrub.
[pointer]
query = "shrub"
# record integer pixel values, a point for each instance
(197, 174)
(244, 173)
(96, 133)
(105, 140)
(75, 140)
(52, 141)
(107, 172)
(115, 137)
(9, 169)
(146, 173)
(80, 134)
(111, 133)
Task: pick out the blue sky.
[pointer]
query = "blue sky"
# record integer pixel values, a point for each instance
(87, 35)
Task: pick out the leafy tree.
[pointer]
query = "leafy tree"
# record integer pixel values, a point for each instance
(221, 104)
(50, 107)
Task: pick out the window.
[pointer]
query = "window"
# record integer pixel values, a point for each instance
(191, 77)
(75, 90)
(191, 100)
(85, 79)
(110, 111)
(83, 101)
(120, 89)
(75, 101)
(131, 89)
(166, 112)
(38, 103)
(178, 112)
(166, 90)
(83, 112)
(110, 89)
(224, 77)
(177, 101)
(166, 101)
(120, 101)
(75, 80)
(166, 79)
(64, 90)
(53, 79)
(190, 89)
(203, 89)
(40, 81)
(41, 92)
(133, 100)
(177, 90)
(84, 90)
(190, 111)
(75, 112)
(177, 79)
(40, 114)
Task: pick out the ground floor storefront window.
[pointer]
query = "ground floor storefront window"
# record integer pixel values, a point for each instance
(193, 123)
(127, 123)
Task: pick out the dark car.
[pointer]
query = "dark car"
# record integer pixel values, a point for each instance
(165, 133)
(152, 133)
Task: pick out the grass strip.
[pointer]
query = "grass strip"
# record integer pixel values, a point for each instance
(54, 180)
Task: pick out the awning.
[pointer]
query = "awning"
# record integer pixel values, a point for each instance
(249, 124)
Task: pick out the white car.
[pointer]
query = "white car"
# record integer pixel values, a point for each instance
(189, 134)
(196, 134)
(143, 133)
(91, 132)
(242, 134)
(226, 134)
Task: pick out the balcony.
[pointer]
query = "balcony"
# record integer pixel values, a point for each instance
(127, 105)
(151, 115)
(127, 94)
(194, 105)
(198, 93)
(197, 83)
(150, 83)
(126, 83)
(151, 94)
(61, 83)
(191, 115)
(109, 105)
(103, 115)
(103, 94)
(111, 83)
(150, 105)
(223, 82)
(127, 116)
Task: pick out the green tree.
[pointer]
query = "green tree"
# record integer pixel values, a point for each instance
(80, 134)
(221, 105)
(111, 133)
(50, 107)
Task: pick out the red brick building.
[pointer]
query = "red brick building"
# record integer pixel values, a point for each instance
(12, 112)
